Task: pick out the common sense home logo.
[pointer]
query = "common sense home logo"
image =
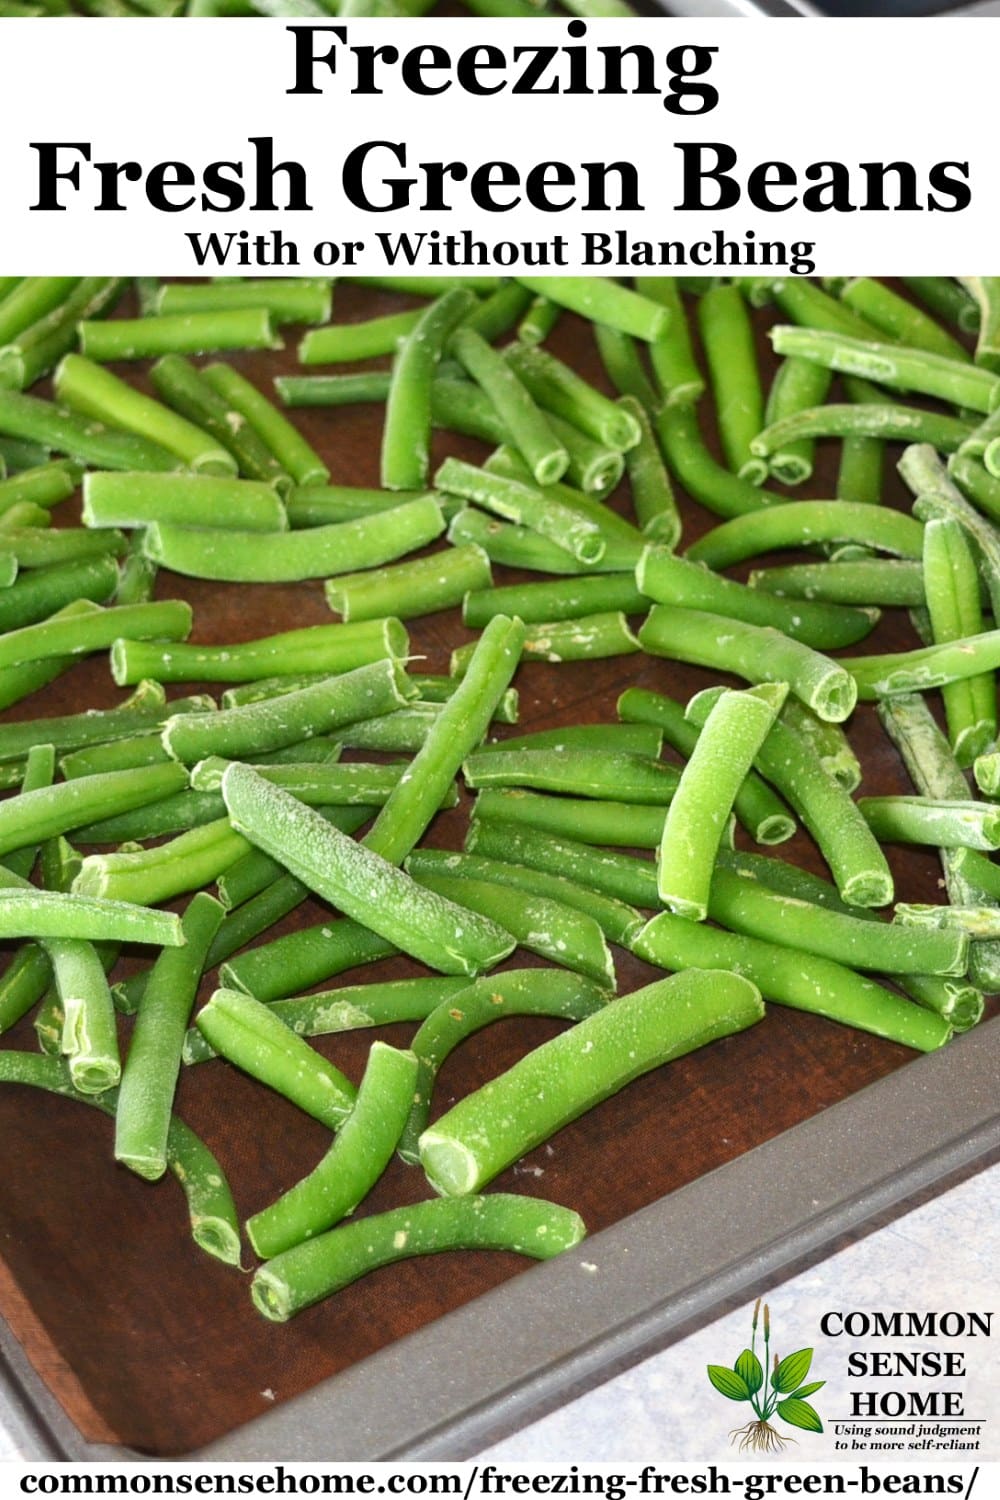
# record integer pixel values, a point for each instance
(782, 1394)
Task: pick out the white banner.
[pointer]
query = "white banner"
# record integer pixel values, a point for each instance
(606, 147)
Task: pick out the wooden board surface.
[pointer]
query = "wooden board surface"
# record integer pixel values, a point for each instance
(149, 1343)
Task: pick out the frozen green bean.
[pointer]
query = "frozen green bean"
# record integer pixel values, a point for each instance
(406, 433)
(410, 589)
(322, 649)
(800, 523)
(285, 443)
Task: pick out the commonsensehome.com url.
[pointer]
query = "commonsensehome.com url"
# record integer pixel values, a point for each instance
(473, 1481)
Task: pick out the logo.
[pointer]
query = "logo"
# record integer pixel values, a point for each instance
(784, 1394)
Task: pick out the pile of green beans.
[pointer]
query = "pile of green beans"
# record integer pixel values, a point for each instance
(569, 541)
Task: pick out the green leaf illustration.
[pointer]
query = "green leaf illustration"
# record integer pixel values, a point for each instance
(728, 1383)
(750, 1371)
(792, 1370)
(799, 1414)
(808, 1390)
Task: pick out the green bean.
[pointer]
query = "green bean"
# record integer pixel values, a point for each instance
(360, 784)
(289, 299)
(986, 292)
(946, 298)
(602, 301)
(634, 739)
(23, 984)
(92, 390)
(498, 312)
(318, 505)
(674, 580)
(934, 772)
(617, 920)
(146, 876)
(518, 992)
(757, 653)
(214, 1226)
(797, 385)
(285, 557)
(438, 689)
(549, 927)
(978, 872)
(623, 542)
(588, 638)
(47, 914)
(728, 342)
(38, 772)
(927, 667)
(750, 907)
(120, 499)
(807, 305)
(982, 443)
(46, 547)
(299, 959)
(326, 649)
(342, 342)
(888, 423)
(243, 1031)
(172, 814)
(360, 882)
(421, 587)
(975, 922)
(15, 518)
(272, 723)
(333, 390)
(149, 1079)
(582, 772)
(513, 396)
(948, 823)
(185, 389)
(828, 742)
(83, 440)
(38, 348)
(560, 390)
(871, 581)
(429, 286)
(180, 333)
(986, 770)
(254, 871)
(789, 977)
(729, 740)
(555, 1083)
(859, 476)
(462, 724)
(285, 444)
(567, 599)
(539, 320)
(620, 357)
(137, 575)
(17, 682)
(359, 1155)
(801, 522)
(525, 505)
(323, 1265)
(89, 1035)
(353, 1007)
(52, 810)
(937, 498)
(892, 365)
(77, 635)
(758, 808)
(671, 355)
(899, 319)
(620, 876)
(92, 727)
(951, 584)
(31, 299)
(406, 433)
(856, 862)
(45, 485)
(705, 480)
(652, 495)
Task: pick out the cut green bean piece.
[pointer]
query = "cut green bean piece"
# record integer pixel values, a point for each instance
(286, 557)
(95, 726)
(320, 649)
(458, 729)
(671, 355)
(625, 369)
(895, 316)
(676, 581)
(892, 365)
(603, 301)
(757, 653)
(410, 589)
(43, 486)
(620, 876)
(179, 333)
(616, 919)
(254, 871)
(34, 546)
(652, 495)
(30, 299)
(185, 389)
(927, 667)
(287, 446)
(52, 914)
(321, 1266)
(298, 960)
(169, 619)
(52, 810)
(788, 977)
(17, 682)
(856, 862)
(871, 581)
(406, 433)
(554, 1084)
(986, 770)
(243, 1031)
(797, 385)
(728, 342)
(172, 814)
(190, 861)
(274, 722)
(567, 599)
(45, 592)
(588, 638)
(975, 922)
(360, 882)
(704, 479)
(360, 784)
(145, 1098)
(322, 504)
(934, 772)
(951, 585)
(581, 772)
(340, 343)
(518, 992)
(937, 498)
(729, 741)
(560, 390)
(80, 438)
(118, 499)
(539, 319)
(986, 292)
(38, 772)
(498, 312)
(828, 742)
(354, 1163)
(289, 299)
(799, 523)
(89, 1035)
(525, 505)
(514, 400)
(635, 739)
(888, 423)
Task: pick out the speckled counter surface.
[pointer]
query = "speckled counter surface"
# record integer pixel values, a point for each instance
(939, 1257)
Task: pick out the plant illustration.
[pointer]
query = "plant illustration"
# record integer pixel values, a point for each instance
(784, 1393)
